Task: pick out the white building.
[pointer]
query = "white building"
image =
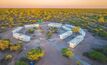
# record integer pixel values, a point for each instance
(22, 37)
(65, 35)
(57, 25)
(82, 32)
(74, 42)
(66, 28)
(31, 26)
(17, 29)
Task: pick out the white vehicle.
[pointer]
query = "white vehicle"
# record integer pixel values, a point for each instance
(65, 35)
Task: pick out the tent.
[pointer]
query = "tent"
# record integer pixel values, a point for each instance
(65, 35)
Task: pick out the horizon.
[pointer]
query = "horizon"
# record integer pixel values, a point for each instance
(53, 4)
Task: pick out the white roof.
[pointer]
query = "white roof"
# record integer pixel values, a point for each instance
(66, 28)
(21, 36)
(17, 29)
(74, 42)
(58, 25)
(31, 25)
(65, 35)
(68, 25)
(82, 32)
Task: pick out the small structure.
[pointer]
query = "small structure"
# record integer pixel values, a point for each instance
(65, 35)
(82, 32)
(17, 29)
(57, 25)
(74, 42)
(31, 26)
(66, 28)
(22, 37)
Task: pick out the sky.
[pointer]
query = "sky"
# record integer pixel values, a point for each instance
(53, 3)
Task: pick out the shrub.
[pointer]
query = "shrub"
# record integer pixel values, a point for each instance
(20, 63)
(95, 55)
(16, 47)
(35, 54)
(49, 34)
(76, 29)
(8, 57)
(31, 30)
(67, 53)
(4, 44)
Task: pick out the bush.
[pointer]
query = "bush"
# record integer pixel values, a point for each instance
(20, 63)
(35, 54)
(67, 53)
(49, 34)
(4, 44)
(95, 55)
(16, 47)
(8, 57)
(53, 29)
(76, 29)
(31, 30)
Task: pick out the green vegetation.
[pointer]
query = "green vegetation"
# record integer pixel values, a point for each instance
(31, 30)
(4, 44)
(8, 56)
(16, 47)
(98, 54)
(20, 63)
(86, 18)
(67, 52)
(53, 29)
(76, 29)
(35, 54)
(49, 34)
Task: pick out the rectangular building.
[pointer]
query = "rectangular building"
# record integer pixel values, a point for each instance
(65, 35)
(74, 42)
(22, 37)
(57, 25)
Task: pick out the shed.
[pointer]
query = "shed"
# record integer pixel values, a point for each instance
(17, 29)
(22, 37)
(82, 32)
(57, 25)
(74, 42)
(31, 26)
(65, 35)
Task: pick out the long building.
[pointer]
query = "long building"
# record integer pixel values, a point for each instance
(74, 42)
(22, 37)
(57, 25)
(17, 29)
(65, 35)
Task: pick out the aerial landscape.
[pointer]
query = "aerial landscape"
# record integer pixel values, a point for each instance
(51, 32)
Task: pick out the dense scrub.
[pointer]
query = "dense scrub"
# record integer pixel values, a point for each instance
(91, 19)
(98, 54)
